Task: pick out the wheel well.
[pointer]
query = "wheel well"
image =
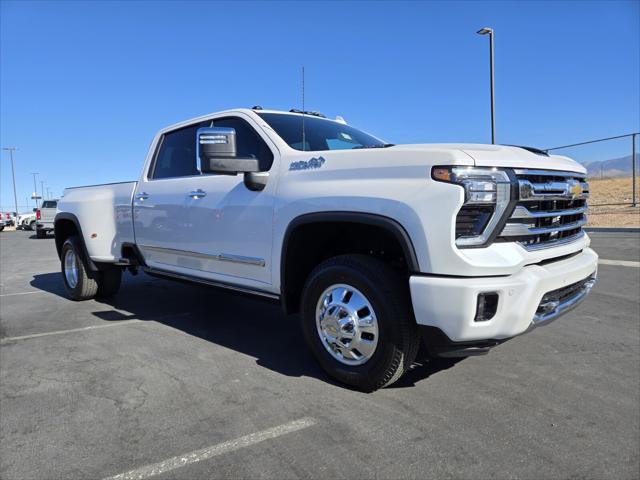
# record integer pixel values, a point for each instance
(64, 229)
(308, 244)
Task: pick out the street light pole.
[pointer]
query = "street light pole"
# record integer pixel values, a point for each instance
(13, 173)
(42, 190)
(489, 31)
(35, 188)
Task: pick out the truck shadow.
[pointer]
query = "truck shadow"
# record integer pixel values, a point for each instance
(254, 327)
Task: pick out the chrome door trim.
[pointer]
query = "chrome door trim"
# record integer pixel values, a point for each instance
(188, 278)
(228, 257)
(222, 257)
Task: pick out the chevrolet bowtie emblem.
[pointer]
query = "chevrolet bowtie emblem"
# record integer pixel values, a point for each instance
(575, 189)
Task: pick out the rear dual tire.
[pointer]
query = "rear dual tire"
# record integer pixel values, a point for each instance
(79, 282)
(367, 345)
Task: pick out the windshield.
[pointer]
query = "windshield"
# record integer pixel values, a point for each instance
(319, 133)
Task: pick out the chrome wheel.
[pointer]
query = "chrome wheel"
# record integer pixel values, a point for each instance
(347, 324)
(71, 268)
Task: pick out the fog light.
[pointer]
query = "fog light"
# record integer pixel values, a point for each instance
(487, 306)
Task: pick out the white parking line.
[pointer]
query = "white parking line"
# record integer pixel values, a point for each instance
(60, 332)
(21, 293)
(213, 451)
(619, 263)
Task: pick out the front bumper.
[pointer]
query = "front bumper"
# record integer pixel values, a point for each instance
(450, 303)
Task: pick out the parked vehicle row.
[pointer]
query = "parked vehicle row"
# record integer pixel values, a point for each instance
(8, 219)
(40, 219)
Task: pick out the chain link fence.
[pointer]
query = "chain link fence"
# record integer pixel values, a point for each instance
(612, 168)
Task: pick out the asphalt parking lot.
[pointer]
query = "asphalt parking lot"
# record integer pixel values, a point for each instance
(175, 381)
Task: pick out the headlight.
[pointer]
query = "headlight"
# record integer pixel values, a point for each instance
(487, 201)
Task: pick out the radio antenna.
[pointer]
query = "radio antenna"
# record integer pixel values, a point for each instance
(303, 131)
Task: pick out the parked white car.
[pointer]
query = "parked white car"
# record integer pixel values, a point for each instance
(27, 221)
(377, 246)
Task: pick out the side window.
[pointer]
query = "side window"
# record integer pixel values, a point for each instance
(177, 154)
(248, 142)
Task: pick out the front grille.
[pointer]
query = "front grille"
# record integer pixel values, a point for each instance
(551, 209)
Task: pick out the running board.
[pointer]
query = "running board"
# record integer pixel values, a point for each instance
(155, 272)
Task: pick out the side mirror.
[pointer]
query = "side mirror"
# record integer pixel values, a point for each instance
(216, 147)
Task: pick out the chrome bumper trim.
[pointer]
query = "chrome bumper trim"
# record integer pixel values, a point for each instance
(566, 306)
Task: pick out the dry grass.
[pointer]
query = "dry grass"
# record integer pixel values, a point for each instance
(612, 190)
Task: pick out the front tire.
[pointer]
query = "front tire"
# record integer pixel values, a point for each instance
(358, 322)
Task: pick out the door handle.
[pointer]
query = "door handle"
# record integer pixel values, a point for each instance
(196, 194)
(142, 196)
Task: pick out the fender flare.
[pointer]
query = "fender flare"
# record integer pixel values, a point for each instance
(90, 264)
(389, 224)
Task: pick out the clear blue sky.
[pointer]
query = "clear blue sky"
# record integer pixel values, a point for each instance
(85, 85)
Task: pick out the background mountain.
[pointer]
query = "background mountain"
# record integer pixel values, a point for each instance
(616, 167)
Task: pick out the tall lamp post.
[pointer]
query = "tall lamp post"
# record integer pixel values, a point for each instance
(13, 173)
(489, 31)
(35, 188)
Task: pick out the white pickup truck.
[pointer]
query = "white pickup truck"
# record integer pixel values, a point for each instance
(377, 246)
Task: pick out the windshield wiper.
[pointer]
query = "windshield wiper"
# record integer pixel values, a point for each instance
(382, 145)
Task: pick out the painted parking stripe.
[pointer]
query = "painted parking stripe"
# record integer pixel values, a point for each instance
(214, 451)
(72, 330)
(21, 293)
(619, 263)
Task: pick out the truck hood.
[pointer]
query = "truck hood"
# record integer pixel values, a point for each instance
(517, 157)
(505, 156)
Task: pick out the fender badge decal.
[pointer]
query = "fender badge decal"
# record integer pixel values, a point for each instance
(308, 164)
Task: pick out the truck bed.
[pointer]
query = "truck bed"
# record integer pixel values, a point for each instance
(105, 214)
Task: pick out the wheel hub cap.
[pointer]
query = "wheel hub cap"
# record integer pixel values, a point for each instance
(71, 268)
(347, 324)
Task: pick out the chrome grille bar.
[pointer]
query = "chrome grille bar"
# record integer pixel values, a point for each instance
(532, 247)
(569, 190)
(523, 212)
(522, 229)
(551, 209)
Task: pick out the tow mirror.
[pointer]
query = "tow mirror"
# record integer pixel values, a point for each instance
(216, 148)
